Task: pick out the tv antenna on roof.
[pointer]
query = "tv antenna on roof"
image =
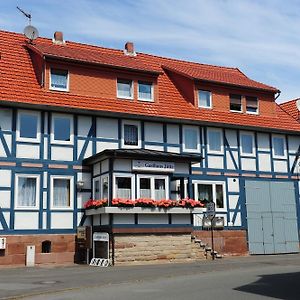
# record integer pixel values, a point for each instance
(27, 15)
(30, 31)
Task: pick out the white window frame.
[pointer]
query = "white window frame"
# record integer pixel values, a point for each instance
(152, 91)
(210, 99)
(131, 89)
(38, 130)
(71, 178)
(67, 116)
(94, 187)
(213, 183)
(253, 143)
(102, 177)
(184, 148)
(37, 196)
(249, 112)
(208, 142)
(136, 123)
(127, 175)
(236, 111)
(152, 184)
(59, 89)
(284, 146)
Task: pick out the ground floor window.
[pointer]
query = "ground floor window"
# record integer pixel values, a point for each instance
(152, 187)
(100, 187)
(123, 186)
(210, 192)
(62, 191)
(27, 194)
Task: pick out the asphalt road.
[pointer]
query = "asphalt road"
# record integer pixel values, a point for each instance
(256, 277)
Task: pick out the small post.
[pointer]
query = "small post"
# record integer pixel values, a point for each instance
(212, 239)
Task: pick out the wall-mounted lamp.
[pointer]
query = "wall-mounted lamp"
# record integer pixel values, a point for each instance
(80, 185)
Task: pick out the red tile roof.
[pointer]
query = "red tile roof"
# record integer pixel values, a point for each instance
(92, 57)
(19, 85)
(291, 108)
(230, 76)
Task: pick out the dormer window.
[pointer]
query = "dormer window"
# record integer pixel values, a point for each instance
(124, 89)
(236, 103)
(59, 80)
(204, 99)
(251, 105)
(145, 91)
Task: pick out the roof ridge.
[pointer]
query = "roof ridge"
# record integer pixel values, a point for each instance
(120, 50)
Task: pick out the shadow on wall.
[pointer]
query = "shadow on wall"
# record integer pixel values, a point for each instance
(280, 286)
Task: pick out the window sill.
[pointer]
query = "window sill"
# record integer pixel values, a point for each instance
(146, 100)
(124, 98)
(58, 90)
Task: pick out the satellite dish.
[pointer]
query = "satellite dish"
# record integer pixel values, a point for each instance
(298, 104)
(31, 32)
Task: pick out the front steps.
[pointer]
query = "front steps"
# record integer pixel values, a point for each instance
(199, 249)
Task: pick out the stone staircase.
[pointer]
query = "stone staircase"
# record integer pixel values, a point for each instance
(202, 250)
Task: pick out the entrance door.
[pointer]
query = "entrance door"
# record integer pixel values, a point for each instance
(272, 217)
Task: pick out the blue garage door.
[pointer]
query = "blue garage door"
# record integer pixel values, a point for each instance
(272, 217)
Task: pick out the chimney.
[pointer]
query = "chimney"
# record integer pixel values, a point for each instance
(58, 38)
(129, 49)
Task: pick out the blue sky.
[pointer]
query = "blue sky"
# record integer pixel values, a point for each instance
(261, 37)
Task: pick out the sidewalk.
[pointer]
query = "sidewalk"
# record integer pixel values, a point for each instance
(29, 281)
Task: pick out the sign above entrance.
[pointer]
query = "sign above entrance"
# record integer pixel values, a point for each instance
(100, 237)
(153, 166)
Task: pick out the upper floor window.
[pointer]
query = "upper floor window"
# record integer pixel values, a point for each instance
(215, 141)
(251, 105)
(191, 139)
(236, 103)
(247, 143)
(62, 191)
(204, 98)
(28, 126)
(59, 80)
(145, 91)
(131, 134)
(278, 147)
(62, 129)
(124, 89)
(27, 195)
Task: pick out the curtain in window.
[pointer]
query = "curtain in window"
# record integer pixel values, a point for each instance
(26, 191)
(191, 138)
(145, 91)
(145, 188)
(61, 192)
(160, 189)
(130, 135)
(215, 141)
(204, 98)
(59, 79)
(205, 192)
(124, 88)
(123, 187)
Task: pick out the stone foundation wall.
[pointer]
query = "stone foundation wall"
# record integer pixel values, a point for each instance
(62, 249)
(155, 248)
(226, 242)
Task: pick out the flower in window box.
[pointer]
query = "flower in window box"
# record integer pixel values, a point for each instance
(164, 203)
(190, 203)
(95, 203)
(123, 202)
(144, 202)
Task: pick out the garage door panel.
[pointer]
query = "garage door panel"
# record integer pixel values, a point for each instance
(272, 217)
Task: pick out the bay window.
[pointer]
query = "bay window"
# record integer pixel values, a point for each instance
(124, 186)
(152, 187)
